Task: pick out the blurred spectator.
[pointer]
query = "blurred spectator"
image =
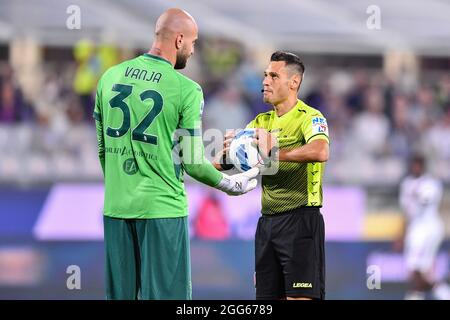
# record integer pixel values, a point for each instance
(226, 110)
(250, 79)
(444, 91)
(402, 137)
(210, 222)
(316, 98)
(13, 108)
(221, 56)
(371, 127)
(338, 118)
(88, 72)
(108, 56)
(355, 98)
(9, 112)
(425, 111)
(436, 144)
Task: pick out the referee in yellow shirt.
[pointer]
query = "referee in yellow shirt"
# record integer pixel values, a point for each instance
(289, 240)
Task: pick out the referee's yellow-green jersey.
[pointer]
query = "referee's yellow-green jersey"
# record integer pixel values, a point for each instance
(295, 184)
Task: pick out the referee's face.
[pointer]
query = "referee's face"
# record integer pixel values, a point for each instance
(276, 83)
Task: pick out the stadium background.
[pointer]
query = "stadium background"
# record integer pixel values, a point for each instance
(385, 93)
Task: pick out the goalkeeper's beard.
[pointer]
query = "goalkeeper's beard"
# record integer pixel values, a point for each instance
(182, 58)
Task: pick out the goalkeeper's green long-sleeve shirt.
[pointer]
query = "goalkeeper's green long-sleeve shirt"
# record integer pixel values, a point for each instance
(147, 115)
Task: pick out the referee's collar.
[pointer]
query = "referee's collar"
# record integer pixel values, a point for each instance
(148, 55)
(296, 106)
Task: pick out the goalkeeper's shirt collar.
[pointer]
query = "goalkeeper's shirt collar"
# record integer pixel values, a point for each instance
(148, 55)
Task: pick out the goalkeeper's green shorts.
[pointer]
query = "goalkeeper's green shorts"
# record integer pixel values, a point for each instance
(147, 259)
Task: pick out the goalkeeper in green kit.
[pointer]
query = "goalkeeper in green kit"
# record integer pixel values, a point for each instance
(148, 120)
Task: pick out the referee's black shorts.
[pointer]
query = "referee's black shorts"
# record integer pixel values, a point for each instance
(290, 255)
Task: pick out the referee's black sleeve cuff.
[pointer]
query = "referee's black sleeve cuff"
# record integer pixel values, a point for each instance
(225, 165)
(273, 153)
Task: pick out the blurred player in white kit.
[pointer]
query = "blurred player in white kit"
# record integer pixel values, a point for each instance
(420, 198)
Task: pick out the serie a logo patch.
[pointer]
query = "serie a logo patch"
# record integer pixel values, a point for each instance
(319, 125)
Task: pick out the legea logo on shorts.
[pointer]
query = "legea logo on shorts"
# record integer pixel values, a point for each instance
(302, 285)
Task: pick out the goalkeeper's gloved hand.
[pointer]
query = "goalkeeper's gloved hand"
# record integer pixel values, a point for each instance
(240, 183)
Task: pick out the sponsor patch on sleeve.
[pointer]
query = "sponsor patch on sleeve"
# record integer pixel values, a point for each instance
(319, 125)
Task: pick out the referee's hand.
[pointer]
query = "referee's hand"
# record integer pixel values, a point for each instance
(229, 136)
(265, 141)
(222, 160)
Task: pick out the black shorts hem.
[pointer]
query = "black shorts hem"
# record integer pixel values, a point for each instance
(298, 294)
(293, 295)
(269, 297)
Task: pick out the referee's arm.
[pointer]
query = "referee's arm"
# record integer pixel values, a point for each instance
(315, 151)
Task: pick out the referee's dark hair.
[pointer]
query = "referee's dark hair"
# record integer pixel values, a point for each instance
(292, 60)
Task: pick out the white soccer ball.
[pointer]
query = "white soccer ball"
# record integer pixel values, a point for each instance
(243, 154)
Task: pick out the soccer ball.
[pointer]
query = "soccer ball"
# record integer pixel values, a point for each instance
(243, 154)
